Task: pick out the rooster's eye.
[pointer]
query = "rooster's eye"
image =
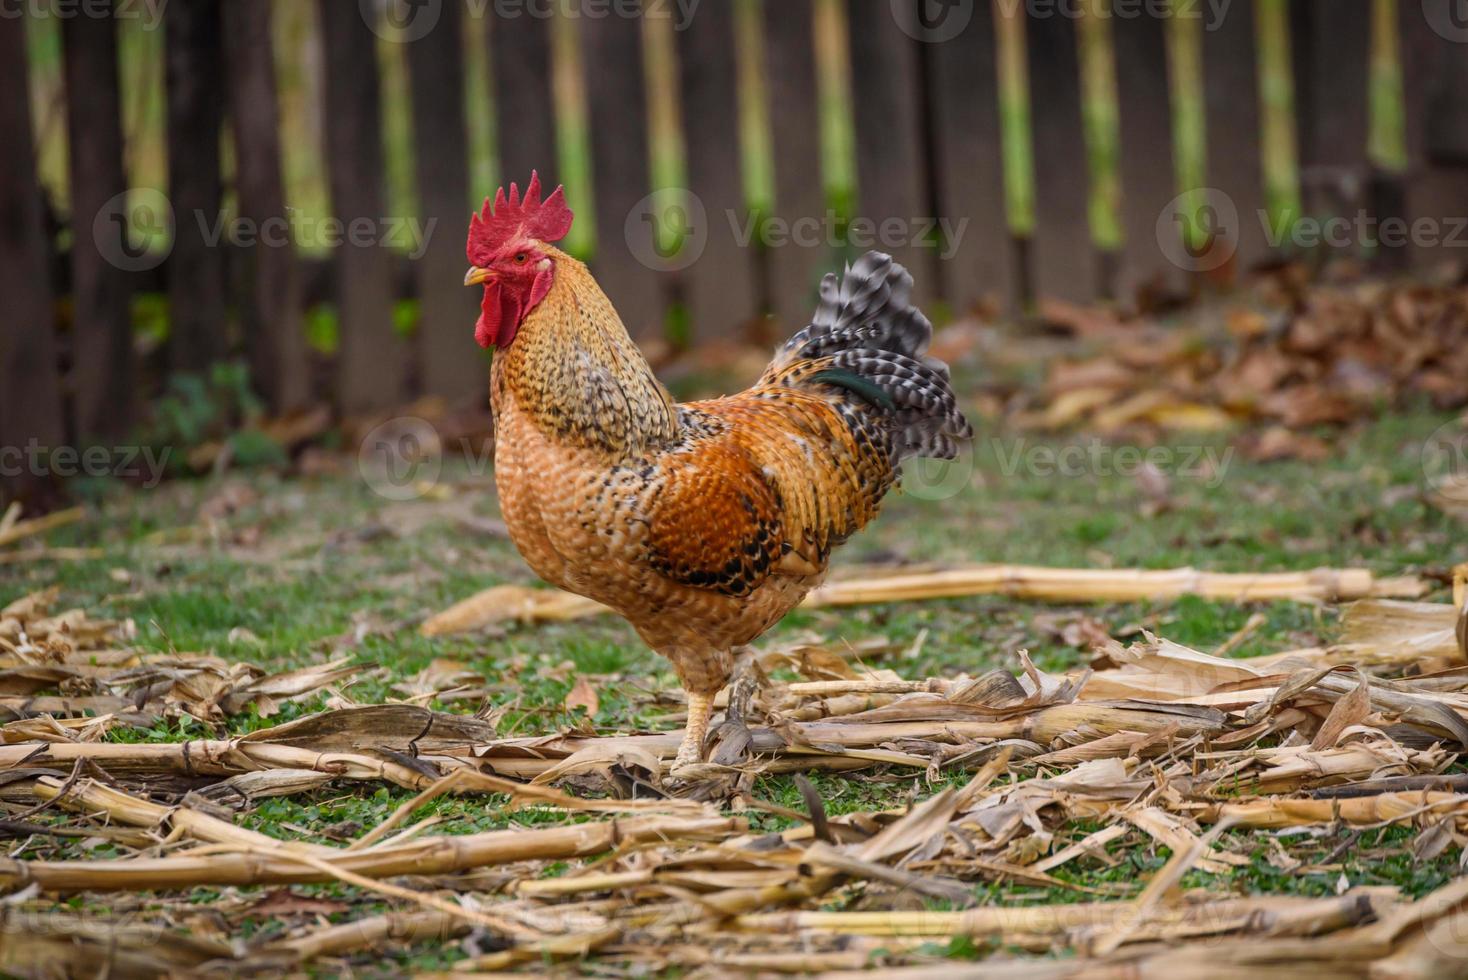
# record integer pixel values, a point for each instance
(520, 258)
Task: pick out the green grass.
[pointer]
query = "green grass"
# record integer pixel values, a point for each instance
(319, 567)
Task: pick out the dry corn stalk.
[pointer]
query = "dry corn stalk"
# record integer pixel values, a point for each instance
(1266, 915)
(1419, 939)
(19, 530)
(1168, 742)
(1405, 631)
(50, 554)
(365, 934)
(1113, 585)
(35, 944)
(1382, 808)
(92, 796)
(426, 856)
(516, 603)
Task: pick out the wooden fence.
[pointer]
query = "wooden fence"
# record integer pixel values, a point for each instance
(927, 130)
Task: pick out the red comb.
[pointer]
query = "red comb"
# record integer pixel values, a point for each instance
(516, 217)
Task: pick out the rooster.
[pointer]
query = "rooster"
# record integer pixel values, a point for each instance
(704, 523)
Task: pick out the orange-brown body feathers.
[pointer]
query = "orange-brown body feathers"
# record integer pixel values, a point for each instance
(704, 523)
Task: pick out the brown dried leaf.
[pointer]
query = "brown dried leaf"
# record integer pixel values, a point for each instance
(582, 695)
(1348, 711)
(1433, 840)
(283, 902)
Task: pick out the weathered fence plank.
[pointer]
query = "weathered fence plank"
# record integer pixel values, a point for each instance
(371, 365)
(1435, 76)
(620, 169)
(795, 266)
(447, 311)
(891, 162)
(30, 395)
(719, 285)
(1331, 45)
(103, 375)
(195, 96)
(1148, 181)
(1232, 121)
(520, 62)
(269, 287)
(1063, 257)
(1445, 133)
(977, 259)
(927, 132)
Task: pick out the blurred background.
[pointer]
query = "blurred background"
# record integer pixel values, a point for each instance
(223, 214)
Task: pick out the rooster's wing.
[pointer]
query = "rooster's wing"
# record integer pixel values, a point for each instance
(764, 483)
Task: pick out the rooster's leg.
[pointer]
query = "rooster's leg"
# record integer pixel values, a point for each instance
(700, 706)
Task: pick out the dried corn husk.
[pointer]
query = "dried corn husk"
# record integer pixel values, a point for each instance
(515, 603)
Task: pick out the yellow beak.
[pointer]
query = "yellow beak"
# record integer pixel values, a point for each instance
(477, 275)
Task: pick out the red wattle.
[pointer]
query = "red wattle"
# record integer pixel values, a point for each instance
(504, 307)
(484, 332)
(499, 317)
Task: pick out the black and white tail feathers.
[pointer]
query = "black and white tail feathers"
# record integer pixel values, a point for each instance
(867, 341)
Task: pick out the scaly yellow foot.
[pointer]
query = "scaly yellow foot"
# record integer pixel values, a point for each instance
(690, 753)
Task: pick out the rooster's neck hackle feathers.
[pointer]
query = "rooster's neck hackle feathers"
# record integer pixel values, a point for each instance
(513, 218)
(574, 369)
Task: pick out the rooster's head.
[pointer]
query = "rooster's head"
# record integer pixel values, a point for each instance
(508, 252)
